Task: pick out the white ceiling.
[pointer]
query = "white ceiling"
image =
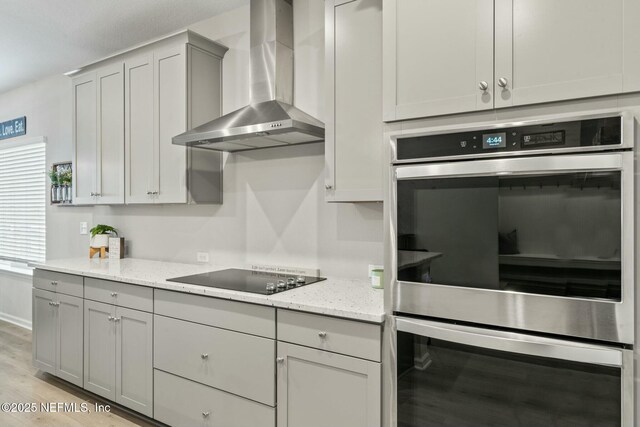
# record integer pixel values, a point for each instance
(39, 38)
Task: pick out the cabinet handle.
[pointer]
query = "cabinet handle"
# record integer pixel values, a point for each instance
(54, 282)
(483, 86)
(204, 356)
(50, 302)
(328, 186)
(280, 359)
(98, 195)
(116, 319)
(149, 193)
(114, 294)
(92, 194)
(322, 334)
(110, 318)
(155, 193)
(206, 414)
(502, 82)
(54, 304)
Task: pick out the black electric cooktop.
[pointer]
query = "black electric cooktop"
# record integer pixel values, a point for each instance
(255, 282)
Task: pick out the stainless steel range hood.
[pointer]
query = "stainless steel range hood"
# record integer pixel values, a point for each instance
(270, 120)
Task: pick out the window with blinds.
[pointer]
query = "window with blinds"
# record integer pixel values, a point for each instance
(22, 200)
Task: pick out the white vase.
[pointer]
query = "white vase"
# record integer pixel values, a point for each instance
(99, 240)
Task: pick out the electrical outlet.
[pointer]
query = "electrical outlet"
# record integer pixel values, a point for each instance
(373, 267)
(202, 257)
(83, 228)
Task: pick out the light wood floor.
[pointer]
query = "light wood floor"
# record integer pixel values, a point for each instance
(22, 383)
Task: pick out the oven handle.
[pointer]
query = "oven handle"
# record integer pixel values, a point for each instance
(513, 342)
(515, 166)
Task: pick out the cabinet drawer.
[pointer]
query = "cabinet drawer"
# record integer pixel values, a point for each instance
(120, 294)
(182, 403)
(58, 282)
(349, 337)
(238, 316)
(238, 363)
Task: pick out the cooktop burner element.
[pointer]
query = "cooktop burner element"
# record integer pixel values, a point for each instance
(255, 282)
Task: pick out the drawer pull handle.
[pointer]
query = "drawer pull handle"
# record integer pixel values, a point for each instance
(114, 294)
(322, 334)
(206, 414)
(54, 282)
(116, 319)
(110, 318)
(204, 356)
(54, 304)
(280, 359)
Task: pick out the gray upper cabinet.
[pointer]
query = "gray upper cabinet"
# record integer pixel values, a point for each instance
(319, 388)
(85, 146)
(547, 50)
(98, 111)
(353, 144)
(57, 335)
(170, 181)
(468, 55)
(438, 57)
(140, 143)
(170, 88)
(127, 109)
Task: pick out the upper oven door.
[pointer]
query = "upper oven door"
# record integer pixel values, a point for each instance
(540, 243)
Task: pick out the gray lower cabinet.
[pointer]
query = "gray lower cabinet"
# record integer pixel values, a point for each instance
(57, 334)
(118, 355)
(183, 403)
(239, 363)
(318, 388)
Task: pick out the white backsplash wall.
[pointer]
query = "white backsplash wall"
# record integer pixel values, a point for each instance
(274, 210)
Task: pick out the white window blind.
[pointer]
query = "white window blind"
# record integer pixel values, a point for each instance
(22, 200)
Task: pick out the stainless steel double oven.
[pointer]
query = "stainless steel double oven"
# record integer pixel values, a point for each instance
(513, 273)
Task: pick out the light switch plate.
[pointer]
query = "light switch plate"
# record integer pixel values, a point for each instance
(83, 228)
(202, 257)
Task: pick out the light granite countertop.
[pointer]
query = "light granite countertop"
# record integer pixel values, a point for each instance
(351, 299)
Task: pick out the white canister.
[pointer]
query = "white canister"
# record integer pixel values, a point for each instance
(377, 278)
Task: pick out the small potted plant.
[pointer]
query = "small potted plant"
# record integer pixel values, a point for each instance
(100, 235)
(65, 180)
(55, 183)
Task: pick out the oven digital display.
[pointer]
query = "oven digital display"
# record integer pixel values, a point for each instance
(544, 138)
(494, 140)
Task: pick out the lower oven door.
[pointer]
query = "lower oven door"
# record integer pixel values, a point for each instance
(460, 376)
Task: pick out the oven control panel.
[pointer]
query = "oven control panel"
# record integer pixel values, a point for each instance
(573, 134)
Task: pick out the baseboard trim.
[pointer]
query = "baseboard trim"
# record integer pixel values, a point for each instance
(16, 320)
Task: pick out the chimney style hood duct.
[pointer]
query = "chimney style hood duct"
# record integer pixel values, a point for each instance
(271, 119)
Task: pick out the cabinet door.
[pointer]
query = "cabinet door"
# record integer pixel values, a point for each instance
(548, 50)
(139, 136)
(99, 349)
(70, 336)
(171, 118)
(436, 54)
(110, 125)
(45, 331)
(134, 360)
(318, 388)
(84, 139)
(354, 75)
